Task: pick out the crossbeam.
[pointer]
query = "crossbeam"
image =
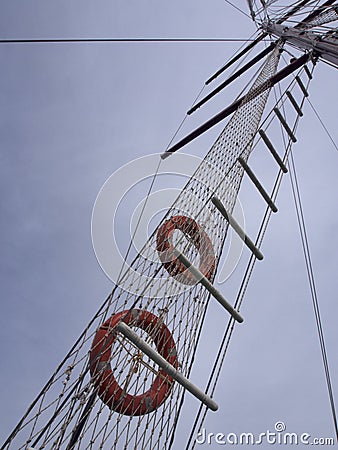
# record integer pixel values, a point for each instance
(286, 71)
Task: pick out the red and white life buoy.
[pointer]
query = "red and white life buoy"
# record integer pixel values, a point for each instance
(110, 392)
(198, 237)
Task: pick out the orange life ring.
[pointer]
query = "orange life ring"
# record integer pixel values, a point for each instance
(110, 392)
(198, 237)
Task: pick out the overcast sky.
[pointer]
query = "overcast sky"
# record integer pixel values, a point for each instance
(72, 114)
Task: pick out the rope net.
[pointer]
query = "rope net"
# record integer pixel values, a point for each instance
(106, 393)
(326, 16)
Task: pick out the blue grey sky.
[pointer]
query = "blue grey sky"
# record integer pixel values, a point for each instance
(70, 115)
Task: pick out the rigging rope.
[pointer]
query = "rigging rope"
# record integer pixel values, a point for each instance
(219, 359)
(309, 268)
(126, 40)
(312, 284)
(237, 8)
(323, 124)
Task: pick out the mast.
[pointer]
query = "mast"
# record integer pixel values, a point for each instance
(326, 47)
(300, 36)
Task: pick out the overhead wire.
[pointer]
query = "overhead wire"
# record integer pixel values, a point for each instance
(122, 40)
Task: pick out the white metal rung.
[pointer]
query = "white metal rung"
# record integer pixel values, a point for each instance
(258, 185)
(301, 85)
(200, 278)
(307, 71)
(294, 103)
(268, 143)
(165, 365)
(219, 205)
(285, 125)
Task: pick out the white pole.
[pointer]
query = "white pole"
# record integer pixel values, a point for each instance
(165, 365)
(200, 278)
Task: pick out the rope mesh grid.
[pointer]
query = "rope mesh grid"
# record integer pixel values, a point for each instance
(66, 400)
(326, 16)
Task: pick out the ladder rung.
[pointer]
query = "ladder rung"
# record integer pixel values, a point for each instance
(307, 71)
(273, 151)
(285, 125)
(258, 185)
(219, 205)
(294, 103)
(200, 278)
(165, 365)
(301, 85)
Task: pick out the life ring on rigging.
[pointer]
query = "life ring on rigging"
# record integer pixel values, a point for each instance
(199, 238)
(110, 392)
